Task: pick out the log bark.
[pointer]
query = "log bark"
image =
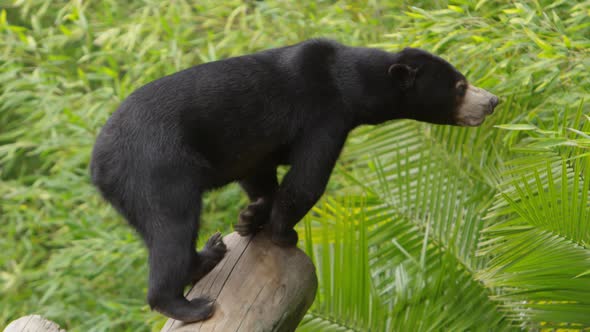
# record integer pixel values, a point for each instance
(258, 286)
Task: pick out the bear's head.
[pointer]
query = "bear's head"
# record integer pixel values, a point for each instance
(432, 90)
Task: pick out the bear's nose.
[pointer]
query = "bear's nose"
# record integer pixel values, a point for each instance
(494, 102)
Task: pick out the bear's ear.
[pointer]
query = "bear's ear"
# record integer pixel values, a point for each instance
(403, 75)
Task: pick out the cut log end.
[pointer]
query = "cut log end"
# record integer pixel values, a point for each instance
(33, 323)
(258, 286)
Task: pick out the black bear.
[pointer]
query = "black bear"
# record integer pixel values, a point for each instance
(236, 120)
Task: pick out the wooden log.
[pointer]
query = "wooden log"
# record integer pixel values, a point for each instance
(32, 323)
(258, 286)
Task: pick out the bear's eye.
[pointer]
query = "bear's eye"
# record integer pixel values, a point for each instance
(461, 89)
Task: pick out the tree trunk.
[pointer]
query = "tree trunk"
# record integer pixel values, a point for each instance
(258, 286)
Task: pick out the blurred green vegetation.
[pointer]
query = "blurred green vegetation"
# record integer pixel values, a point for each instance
(422, 227)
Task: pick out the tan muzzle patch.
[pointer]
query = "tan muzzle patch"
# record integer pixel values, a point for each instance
(477, 104)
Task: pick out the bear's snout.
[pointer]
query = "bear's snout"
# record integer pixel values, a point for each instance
(477, 104)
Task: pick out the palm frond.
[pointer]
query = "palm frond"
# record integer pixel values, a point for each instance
(346, 299)
(538, 235)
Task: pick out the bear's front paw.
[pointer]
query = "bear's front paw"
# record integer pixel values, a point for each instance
(253, 218)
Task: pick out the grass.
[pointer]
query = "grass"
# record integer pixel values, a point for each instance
(65, 66)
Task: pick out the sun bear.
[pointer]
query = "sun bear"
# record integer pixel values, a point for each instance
(237, 119)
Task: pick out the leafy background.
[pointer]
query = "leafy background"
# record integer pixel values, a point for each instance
(423, 227)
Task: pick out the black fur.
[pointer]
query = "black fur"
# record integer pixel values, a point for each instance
(236, 120)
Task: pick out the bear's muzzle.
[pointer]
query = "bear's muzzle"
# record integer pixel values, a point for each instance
(477, 104)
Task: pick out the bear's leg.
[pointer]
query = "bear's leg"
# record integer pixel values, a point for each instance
(170, 225)
(312, 161)
(172, 257)
(260, 188)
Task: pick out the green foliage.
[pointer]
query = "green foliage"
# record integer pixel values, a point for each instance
(423, 227)
(474, 229)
